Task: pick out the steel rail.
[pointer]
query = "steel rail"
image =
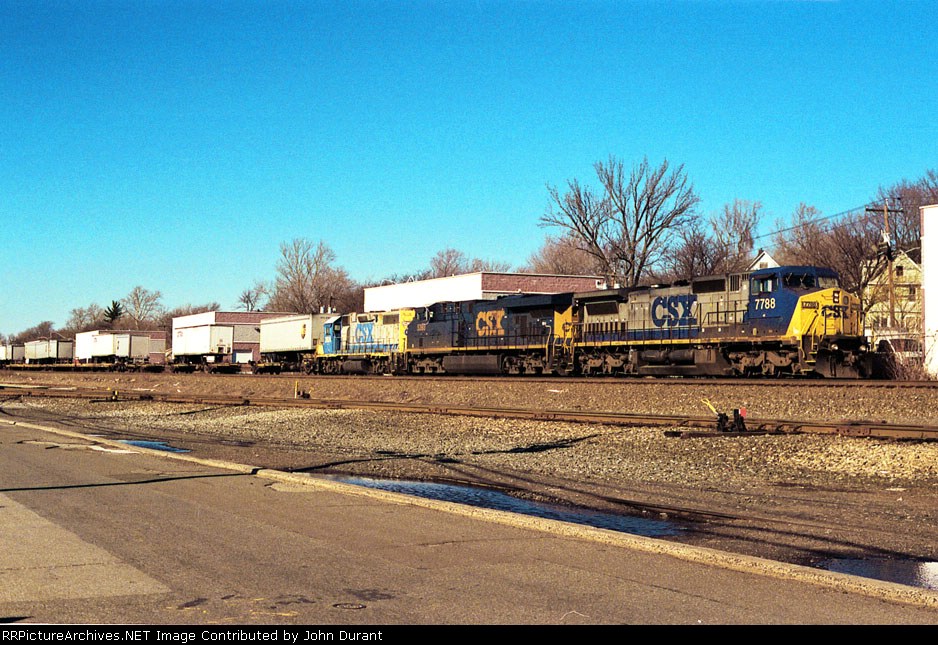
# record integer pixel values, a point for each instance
(597, 380)
(680, 425)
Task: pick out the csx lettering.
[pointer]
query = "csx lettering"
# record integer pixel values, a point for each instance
(364, 333)
(672, 311)
(489, 323)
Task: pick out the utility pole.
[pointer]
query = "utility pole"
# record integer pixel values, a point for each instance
(887, 240)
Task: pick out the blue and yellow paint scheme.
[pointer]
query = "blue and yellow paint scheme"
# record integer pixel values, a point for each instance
(372, 342)
(512, 335)
(792, 320)
(784, 320)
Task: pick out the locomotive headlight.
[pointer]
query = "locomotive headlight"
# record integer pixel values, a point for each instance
(864, 348)
(834, 347)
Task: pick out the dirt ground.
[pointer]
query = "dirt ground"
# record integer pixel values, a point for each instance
(801, 499)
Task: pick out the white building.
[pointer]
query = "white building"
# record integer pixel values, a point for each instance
(763, 261)
(482, 285)
(930, 285)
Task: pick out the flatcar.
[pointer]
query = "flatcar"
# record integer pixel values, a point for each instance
(291, 343)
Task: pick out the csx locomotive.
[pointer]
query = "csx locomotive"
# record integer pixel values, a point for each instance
(793, 320)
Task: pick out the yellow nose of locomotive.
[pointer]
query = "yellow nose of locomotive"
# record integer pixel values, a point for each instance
(828, 325)
(827, 313)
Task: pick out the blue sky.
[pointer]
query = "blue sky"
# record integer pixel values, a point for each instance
(176, 144)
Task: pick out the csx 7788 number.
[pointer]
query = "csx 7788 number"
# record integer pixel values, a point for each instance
(765, 303)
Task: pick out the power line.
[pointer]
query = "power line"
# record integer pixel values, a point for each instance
(850, 212)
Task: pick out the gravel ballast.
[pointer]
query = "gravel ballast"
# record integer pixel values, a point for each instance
(800, 498)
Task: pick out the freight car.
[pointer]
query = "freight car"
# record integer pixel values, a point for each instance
(120, 350)
(291, 343)
(11, 353)
(49, 351)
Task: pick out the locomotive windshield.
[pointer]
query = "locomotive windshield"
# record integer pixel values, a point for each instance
(806, 279)
(809, 281)
(799, 280)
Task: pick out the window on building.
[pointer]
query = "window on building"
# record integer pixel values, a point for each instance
(899, 271)
(913, 292)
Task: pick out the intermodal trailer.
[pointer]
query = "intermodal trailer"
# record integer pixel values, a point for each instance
(290, 343)
(205, 346)
(49, 351)
(12, 353)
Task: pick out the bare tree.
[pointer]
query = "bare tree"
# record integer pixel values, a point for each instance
(85, 318)
(563, 255)
(733, 230)
(448, 262)
(307, 281)
(630, 225)
(452, 261)
(250, 299)
(490, 266)
(849, 246)
(43, 330)
(143, 306)
(909, 196)
(696, 254)
(724, 245)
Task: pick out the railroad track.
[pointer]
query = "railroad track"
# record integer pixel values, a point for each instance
(676, 381)
(679, 425)
(555, 380)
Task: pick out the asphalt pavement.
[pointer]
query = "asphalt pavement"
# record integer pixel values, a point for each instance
(96, 532)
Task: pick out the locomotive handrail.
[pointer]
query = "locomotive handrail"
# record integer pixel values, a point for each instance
(713, 317)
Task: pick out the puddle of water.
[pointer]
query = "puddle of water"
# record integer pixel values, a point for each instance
(906, 572)
(153, 445)
(486, 498)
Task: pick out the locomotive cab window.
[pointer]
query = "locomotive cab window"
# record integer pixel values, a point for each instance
(764, 283)
(800, 280)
